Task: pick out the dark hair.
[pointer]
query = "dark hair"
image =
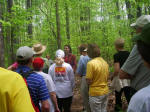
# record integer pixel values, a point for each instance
(70, 50)
(93, 51)
(23, 62)
(82, 47)
(144, 50)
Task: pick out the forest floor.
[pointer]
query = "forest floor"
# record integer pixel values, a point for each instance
(77, 104)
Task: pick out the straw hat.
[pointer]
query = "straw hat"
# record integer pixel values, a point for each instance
(39, 48)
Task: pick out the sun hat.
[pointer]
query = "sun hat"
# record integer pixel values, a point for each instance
(38, 63)
(24, 53)
(60, 53)
(39, 48)
(144, 35)
(141, 21)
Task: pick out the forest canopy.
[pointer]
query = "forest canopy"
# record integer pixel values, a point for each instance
(55, 23)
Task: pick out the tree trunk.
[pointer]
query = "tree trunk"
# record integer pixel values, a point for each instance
(58, 25)
(67, 22)
(10, 32)
(139, 11)
(128, 7)
(2, 58)
(29, 27)
(118, 9)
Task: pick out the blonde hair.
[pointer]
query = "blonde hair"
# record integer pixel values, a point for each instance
(119, 42)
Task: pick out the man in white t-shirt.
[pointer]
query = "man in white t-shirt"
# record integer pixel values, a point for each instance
(38, 65)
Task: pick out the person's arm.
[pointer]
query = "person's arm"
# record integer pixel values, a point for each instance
(89, 74)
(45, 107)
(124, 75)
(116, 69)
(71, 76)
(79, 71)
(54, 100)
(89, 81)
(131, 65)
(44, 96)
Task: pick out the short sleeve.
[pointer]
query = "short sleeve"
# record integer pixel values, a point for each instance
(89, 71)
(133, 62)
(116, 58)
(43, 91)
(71, 76)
(50, 84)
(80, 67)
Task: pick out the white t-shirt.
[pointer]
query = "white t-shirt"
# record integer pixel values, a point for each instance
(63, 78)
(51, 87)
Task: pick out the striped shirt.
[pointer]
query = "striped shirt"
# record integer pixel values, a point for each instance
(36, 85)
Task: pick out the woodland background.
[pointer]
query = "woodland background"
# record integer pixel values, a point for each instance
(55, 23)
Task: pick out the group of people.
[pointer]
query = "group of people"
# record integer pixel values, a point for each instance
(37, 84)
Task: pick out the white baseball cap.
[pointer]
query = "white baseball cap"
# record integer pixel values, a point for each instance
(24, 53)
(141, 21)
(60, 53)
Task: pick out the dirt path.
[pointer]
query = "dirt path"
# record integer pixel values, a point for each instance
(77, 104)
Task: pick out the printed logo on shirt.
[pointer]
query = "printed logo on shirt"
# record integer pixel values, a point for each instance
(60, 71)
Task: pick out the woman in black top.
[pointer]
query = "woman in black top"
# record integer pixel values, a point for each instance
(119, 59)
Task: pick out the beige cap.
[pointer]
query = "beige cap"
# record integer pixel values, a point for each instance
(24, 53)
(141, 21)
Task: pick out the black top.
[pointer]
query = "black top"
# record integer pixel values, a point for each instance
(121, 57)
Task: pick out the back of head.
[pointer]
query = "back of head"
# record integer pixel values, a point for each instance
(93, 51)
(119, 43)
(24, 54)
(141, 21)
(59, 57)
(38, 64)
(83, 48)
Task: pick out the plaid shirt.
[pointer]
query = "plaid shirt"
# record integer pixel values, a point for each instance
(71, 59)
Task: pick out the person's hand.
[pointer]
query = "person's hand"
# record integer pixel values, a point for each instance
(57, 110)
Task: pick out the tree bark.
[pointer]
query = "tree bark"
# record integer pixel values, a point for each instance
(29, 27)
(128, 7)
(58, 25)
(10, 32)
(139, 11)
(2, 58)
(67, 22)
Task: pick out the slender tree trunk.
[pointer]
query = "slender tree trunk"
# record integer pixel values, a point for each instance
(10, 32)
(2, 58)
(29, 27)
(118, 9)
(139, 11)
(58, 25)
(67, 22)
(128, 7)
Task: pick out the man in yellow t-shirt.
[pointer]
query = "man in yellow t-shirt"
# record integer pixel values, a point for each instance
(14, 94)
(97, 78)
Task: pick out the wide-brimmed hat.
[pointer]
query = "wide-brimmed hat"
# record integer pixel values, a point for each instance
(24, 53)
(141, 21)
(144, 35)
(39, 48)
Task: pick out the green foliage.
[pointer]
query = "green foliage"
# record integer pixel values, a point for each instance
(90, 21)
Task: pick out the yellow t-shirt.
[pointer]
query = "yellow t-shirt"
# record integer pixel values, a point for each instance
(14, 94)
(97, 72)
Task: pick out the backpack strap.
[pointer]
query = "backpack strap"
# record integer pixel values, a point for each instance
(26, 74)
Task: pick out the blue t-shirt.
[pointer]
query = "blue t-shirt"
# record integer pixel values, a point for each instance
(140, 102)
(36, 85)
(81, 69)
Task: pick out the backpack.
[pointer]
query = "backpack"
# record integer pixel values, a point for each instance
(25, 75)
